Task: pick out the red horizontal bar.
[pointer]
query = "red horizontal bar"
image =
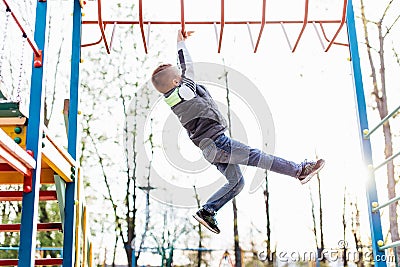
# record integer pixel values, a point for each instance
(16, 227)
(17, 195)
(38, 262)
(130, 22)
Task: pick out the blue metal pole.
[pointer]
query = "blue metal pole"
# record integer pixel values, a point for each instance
(30, 201)
(374, 217)
(70, 190)
(133, 258)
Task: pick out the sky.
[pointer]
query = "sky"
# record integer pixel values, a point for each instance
(310, 95)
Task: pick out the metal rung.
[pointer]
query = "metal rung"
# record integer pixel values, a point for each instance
(286, 35)
(368, 133)
(40, 227)
(378, 207)
(319, 36)
(391, 245)
(387, 160)
(38, 262)
(17, 195)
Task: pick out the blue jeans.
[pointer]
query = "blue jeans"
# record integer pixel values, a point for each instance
(227, 154)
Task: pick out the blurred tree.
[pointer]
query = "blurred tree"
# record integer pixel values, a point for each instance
(112, 91)
(381, 30)
(238, 250)
(269, 252)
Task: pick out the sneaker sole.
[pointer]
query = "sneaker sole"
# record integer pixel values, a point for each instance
(203, 222)
(311, 175)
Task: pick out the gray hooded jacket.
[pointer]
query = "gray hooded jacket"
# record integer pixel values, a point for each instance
(193, 104)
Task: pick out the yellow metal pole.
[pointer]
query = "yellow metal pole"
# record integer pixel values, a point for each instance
(78, 221)
(77, 239)
(84, 238)
(90, 255)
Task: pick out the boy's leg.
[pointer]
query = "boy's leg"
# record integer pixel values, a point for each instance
(227, 192)
(227, 150)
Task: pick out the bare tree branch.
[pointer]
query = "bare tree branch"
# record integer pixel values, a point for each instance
(388, 29)
(396, 55)
(375, 91)
(118, 227)
(385, 12)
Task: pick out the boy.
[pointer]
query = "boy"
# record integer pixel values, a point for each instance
(205, 125)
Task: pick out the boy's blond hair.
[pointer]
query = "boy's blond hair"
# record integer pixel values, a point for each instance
(163, 76)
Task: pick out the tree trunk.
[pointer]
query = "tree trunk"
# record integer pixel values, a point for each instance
(383, 112)
(115, 250)
(321, 232)
(170, 257)
(266, 198)
(314, 224)
(344, 243)
(238, 251)
(355, 223)
(199, 232)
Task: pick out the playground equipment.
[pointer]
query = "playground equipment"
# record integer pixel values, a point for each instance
(347, 16)
(222, 22)
(30, 157)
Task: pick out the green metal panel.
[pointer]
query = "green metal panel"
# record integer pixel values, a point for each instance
(10, 109)
(60, 189)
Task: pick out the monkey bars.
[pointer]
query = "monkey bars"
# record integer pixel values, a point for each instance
(222, 23)
(375, 206)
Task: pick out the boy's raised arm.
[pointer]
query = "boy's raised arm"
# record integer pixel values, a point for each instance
(185, 61)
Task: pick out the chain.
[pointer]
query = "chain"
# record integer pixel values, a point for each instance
(21, 69)
(8, 10)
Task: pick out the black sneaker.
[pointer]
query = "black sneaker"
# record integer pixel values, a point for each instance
(207, 219)
(309, 169)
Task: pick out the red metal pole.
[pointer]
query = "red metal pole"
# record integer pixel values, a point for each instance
(340, 26)
(31, 44)
(101, 25)
(262, 25)
(141, 25)
(183, 16)
(221, 31)
(208, 22)
(305, 22)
